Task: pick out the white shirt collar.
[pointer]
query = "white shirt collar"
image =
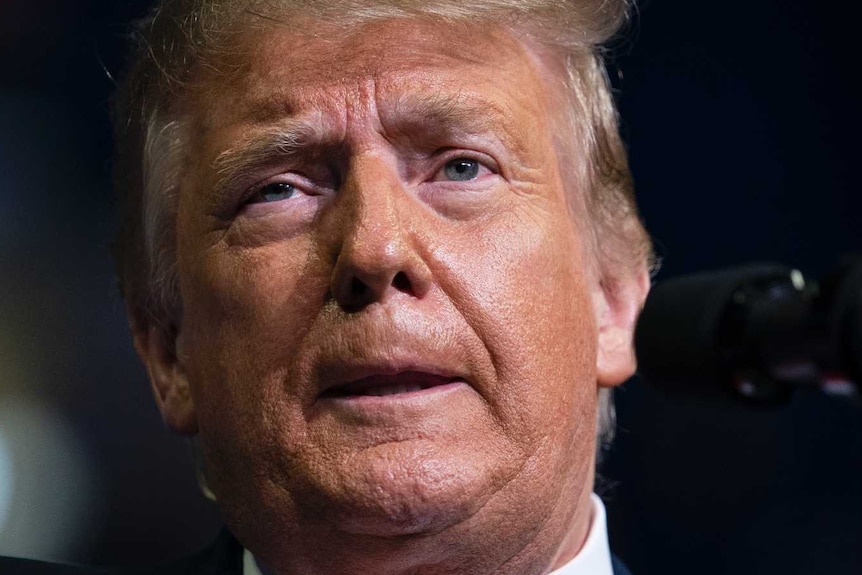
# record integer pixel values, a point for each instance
(594, 557)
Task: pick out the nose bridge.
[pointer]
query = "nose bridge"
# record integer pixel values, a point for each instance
(374, 229)
(376, 253)
(372, 187)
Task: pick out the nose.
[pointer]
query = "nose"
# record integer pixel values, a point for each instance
(377, 256)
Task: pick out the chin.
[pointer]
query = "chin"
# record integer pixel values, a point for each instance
(408, 488)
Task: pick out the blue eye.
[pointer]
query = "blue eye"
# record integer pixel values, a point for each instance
(461, 169)
(274, 192)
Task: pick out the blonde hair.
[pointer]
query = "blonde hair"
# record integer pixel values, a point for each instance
(180, 38)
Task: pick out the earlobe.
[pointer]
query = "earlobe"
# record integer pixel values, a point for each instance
(617, 309)
(168, 379)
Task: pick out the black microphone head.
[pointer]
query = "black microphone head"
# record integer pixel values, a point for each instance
(695, 331)
(840, 303)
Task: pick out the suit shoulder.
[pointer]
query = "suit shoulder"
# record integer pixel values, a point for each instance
(15, 566)
(619, 567)
(223, 557)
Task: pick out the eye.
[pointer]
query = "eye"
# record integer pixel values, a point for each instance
(274, 192)
(461, 169)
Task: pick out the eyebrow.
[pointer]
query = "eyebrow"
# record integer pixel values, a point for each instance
(283, 141)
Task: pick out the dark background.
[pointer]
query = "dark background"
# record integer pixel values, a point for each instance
(742, 120)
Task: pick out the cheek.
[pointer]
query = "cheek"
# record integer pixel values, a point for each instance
(523, 288)
(243, 312)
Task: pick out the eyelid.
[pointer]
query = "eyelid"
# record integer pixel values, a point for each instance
(301, 183)
(488, 161)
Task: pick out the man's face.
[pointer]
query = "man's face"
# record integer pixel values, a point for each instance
(388, 327)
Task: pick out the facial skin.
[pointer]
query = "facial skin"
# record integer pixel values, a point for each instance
(413, 239)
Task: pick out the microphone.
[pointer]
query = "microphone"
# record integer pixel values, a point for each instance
(756, 332)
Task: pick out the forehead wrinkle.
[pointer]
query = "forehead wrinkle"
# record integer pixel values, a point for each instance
(342, 54)
(447, 114)
(279, 105)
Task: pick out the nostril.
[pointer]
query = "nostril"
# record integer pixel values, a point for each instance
(362, 290)
(401, 282)
(358, 287)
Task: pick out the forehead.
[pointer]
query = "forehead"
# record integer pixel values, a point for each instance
(289, 66)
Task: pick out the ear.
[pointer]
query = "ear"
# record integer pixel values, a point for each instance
(157, 348)
(617, 308)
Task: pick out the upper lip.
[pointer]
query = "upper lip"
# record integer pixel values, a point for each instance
(393, 344)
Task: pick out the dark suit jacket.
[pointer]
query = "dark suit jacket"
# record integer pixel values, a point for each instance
(223, 557)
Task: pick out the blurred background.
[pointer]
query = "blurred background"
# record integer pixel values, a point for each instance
(742, 119)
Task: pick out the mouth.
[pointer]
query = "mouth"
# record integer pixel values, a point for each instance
(408, 382)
